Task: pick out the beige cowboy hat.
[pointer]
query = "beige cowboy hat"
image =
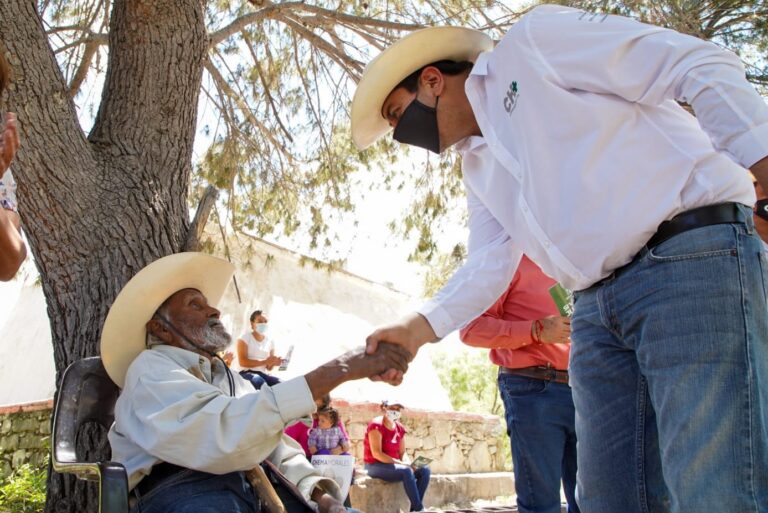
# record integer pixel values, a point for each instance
(394, 64)
(124, 335)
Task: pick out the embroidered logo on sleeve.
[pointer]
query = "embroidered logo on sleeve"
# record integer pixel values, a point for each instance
(510, 99)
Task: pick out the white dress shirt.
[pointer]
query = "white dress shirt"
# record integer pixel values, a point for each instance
(176, 407)
(585, 151)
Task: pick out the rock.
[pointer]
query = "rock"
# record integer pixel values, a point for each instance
(452, 460)
(442, 433)
(8, 443)
(356, 431)
(479, 459)
(19, 458)
(412, 442)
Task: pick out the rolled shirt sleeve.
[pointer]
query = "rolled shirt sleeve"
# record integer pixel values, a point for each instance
(494, 333)
(649, 65)
(290, 459)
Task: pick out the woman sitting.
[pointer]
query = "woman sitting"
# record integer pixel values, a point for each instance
(384, 445)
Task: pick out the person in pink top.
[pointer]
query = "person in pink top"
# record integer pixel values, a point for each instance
(529, 341)
(300, 429)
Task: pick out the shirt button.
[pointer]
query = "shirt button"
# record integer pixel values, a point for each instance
(547, 244)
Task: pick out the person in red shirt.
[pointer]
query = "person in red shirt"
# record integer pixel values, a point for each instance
(384, 449)
(529, 341)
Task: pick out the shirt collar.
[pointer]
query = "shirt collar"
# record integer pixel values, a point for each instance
(480, 67)
(469, 144)
(190, 360)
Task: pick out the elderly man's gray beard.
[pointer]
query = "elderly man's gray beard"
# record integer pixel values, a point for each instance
(211, 337)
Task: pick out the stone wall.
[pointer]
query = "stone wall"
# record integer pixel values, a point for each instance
(25, 432)
(457, 442)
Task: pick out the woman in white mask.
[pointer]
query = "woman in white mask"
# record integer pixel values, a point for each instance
(384, 445)
(256, 353)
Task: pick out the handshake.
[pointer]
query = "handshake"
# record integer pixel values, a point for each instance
(387, 359)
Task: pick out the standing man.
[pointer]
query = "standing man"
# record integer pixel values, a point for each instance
(529, 341)
(576, 153)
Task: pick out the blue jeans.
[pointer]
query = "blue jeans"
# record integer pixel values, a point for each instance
(191, 491)
(415, 483)
(540, 425)
(258, 378)
(669, 369)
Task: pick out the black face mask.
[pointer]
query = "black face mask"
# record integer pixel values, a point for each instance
(418, 127)
(761, 209)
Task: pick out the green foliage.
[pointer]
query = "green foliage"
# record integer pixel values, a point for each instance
(275, 97)
(24, 491)
(278, 83)
(442, 268)
(470, 379)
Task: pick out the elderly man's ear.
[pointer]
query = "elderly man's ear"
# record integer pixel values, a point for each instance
(159, 330)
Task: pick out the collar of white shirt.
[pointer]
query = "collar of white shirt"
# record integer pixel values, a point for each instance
(190, 360)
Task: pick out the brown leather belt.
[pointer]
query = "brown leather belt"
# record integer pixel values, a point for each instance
(540, 372)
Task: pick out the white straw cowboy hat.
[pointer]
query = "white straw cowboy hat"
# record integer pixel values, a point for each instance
(394, 64)
(124, 335)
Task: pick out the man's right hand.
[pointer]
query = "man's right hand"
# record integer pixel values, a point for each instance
(555, 330)
(357, 364)
(412, 332)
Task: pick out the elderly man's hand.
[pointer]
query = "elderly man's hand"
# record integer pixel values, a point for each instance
(412, 332)
(362, 364)
(357, 364)
(327, 504)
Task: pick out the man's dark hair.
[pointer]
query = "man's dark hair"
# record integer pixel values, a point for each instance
(411, 82)
(255, 314)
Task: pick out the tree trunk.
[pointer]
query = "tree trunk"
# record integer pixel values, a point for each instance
(98, 209)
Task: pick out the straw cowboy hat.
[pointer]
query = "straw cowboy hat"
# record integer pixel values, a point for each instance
(391, 66)
(124, 335)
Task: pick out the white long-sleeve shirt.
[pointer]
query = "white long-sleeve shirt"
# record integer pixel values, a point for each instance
(585, 150)
(176, 407)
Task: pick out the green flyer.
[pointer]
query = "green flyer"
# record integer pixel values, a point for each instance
(563, 299)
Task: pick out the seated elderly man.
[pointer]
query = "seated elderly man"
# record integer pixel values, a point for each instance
(186, 428)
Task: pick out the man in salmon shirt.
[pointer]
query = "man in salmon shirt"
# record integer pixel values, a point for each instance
(529, 341)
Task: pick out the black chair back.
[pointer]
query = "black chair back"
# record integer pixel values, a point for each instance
(87, 395)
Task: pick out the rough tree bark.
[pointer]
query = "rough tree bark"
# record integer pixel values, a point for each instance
(96, 209)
